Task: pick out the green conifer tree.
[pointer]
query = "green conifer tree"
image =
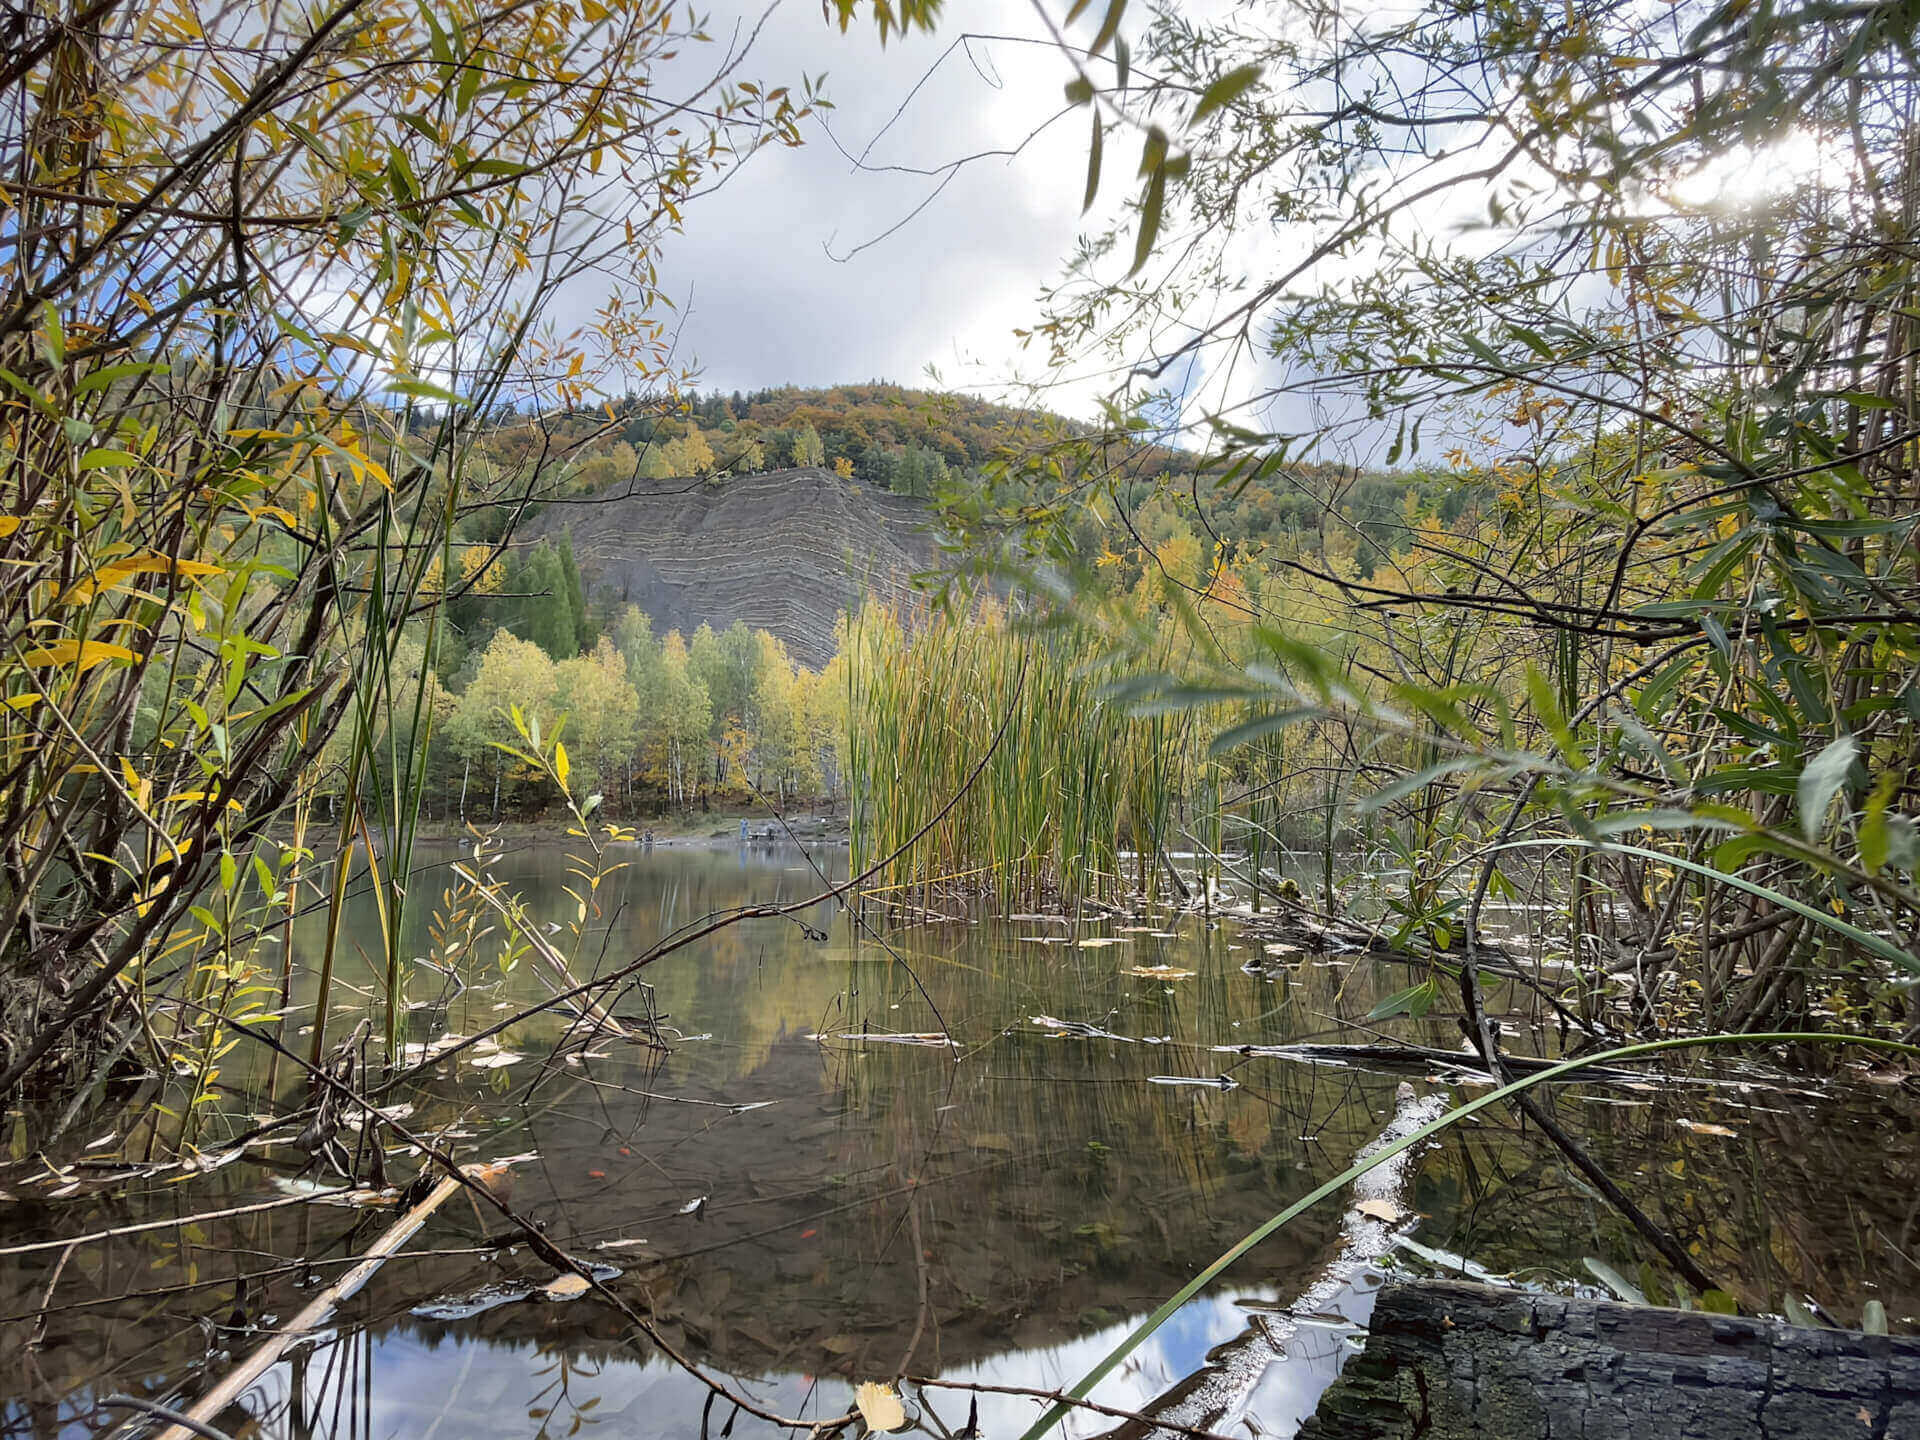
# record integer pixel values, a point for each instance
(575, 597)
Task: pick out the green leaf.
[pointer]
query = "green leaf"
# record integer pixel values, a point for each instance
(1407, 784)
(1546, 708)
(1095, 148)
(1798, 1313)
(1615, 1281)
(1873, 824)
(1865, 939)
(1079, 90)
(1259, 726)
(1224, 91)
(1151, 212)
(1820, 780)
(105, 459)
(1650, 745)
(108, 374)
(1414, 1001)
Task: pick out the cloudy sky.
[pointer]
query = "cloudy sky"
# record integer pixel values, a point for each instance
(767, 269)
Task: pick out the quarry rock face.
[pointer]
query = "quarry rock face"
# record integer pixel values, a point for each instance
(788, 551)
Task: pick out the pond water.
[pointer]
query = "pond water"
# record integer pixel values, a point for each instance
(801, 1205)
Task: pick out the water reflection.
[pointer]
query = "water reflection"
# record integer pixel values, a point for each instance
(801, 1203)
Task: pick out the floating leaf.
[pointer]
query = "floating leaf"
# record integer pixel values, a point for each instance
(879, 1406)
(1385, 1211)
(1161, 972)
(567, 1287)
(1703, 1127)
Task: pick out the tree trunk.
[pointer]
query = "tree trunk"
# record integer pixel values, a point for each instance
(1452, 1361)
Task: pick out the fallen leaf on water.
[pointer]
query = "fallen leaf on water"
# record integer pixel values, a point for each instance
(330, 1194)
(1281, 949)
(1702, 1127)
(495, 1061)
(567, 1287)
(694, 1206)
(1385, 1211)
(1161, 972)
(879, 1406)
(618, 1244)
(1096, 942)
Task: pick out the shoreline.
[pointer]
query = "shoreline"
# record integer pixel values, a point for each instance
(722, 832)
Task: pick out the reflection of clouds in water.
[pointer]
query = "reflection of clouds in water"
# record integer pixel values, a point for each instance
(419, 1384)
(1177, 1347)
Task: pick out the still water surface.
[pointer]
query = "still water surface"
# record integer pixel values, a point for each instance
(800, 1204)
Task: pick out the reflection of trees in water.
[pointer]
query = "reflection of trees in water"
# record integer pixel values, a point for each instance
(1814, 1197)
(1054, 1186)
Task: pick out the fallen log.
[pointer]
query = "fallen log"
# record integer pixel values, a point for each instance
(1446, 1360)
(319, 1310)
(1425, 1059)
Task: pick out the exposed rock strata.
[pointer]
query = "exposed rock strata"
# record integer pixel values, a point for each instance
(787, 551)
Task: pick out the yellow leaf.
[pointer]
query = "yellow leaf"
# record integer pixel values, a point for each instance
(567, 1287)
(879, 1406)
(86, 654)
(22, 702)
(111, 575)
(561, 765)
(1704, 1127)
(8, 524)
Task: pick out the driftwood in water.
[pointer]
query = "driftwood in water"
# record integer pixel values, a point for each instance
(1453, 1361)
(315, 1314)
(1314, 938)
(1422, 1059)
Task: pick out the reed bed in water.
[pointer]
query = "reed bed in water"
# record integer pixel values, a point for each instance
(1077, 801)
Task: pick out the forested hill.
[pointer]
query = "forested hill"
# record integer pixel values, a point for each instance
(786, 551)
